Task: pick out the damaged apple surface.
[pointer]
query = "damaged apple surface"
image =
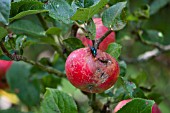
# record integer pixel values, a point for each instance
(89, 73)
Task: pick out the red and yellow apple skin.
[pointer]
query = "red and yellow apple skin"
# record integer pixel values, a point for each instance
(89, 73)
(155, 108)
(4, 66)
(100, 31)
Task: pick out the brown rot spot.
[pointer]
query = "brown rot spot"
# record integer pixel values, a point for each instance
(102, 75)
(98, 70)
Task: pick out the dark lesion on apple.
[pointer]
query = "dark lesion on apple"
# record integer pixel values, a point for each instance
(104, 61)
(102, 75)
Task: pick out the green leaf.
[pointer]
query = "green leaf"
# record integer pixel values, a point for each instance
(124, 89)
(59, 10)
(138, 93)
(137, 105)
(67, 87)
(142, 12)
(27, 27)
(5, 6)
(59, 63)
(151, 36)
(157, 4)
(20, 42)
(57, 102)
(85, 14)
(4, 57)
(53, 31)
(73, 43)
(11, 110)
(3, 33)
(25, 13)
(69, 1)
(128, 86)
(50, 81)
(91, 28)
(26, 89)
(139, 78)
(123, 68)
(40, 40)
(114, 17)
(85, 3)
(157, 97)
(129, 89)
(114, 50)
(24, 7)
(159, 21)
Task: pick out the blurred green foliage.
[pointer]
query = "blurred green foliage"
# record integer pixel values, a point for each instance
(41, 31)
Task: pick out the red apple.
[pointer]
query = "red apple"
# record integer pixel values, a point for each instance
(155, 108)
(4, 66)
(100, 31)
(89, 73)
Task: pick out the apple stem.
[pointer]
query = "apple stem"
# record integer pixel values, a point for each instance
(93, 101)
(93, 98)
(98, 41)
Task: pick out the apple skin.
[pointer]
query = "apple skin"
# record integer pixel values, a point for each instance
(100, 31)
(91, 74)
(4, 66)
(155, 108)
(121, 104)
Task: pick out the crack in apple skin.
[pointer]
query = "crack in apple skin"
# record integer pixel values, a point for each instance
(91, 74)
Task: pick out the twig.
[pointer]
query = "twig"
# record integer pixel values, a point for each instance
(22, 58)
(148, 55)
(98, 41)
(45, 68)
(5, 51)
